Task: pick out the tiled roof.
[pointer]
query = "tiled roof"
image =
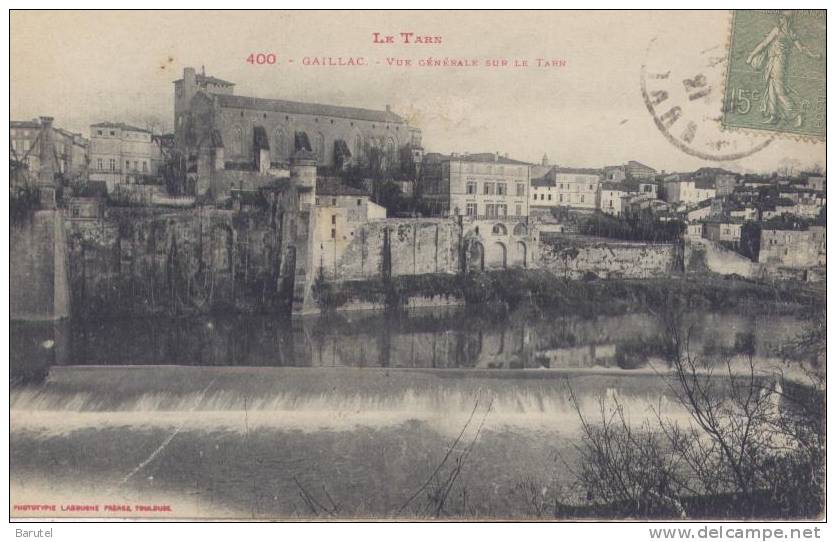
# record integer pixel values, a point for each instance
(712, 172)
(633, 163)
(578, 170)
(729, 220)
(481, 157)
(302, 108)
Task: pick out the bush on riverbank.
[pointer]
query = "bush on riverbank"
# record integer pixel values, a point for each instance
(542, 290)
(753, 446)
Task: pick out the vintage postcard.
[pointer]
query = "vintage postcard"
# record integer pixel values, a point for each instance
(417, 265)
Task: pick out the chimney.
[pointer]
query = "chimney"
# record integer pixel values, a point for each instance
(496, 157)
(388, 108)
(203, 70)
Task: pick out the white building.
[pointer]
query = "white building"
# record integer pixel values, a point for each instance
(477, 185)
(611, 198)
(576, 188)
(688, 191)
(122, 154)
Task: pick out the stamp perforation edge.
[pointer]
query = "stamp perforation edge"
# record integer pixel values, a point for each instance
(801, 138)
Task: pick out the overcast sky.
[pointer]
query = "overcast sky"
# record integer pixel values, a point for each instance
(83, 68)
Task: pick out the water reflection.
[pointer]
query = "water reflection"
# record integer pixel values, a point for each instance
(447, 338)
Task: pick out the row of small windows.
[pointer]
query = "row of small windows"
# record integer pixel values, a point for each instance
(334, 204)
(316, 119)
(112, 165)
(560, 198)
(492, 210)
(491, 188)
(125, 135)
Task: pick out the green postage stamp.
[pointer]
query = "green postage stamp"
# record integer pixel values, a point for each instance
(776, 74)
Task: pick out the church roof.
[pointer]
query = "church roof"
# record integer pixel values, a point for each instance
(303, 108)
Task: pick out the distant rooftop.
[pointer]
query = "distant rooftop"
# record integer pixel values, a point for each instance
(331, 186)
(578, 170)
(24, 124)
(203, 78)
(479, 157)
(120, 125)
(634, 163)
(304, 108)
(214, 80)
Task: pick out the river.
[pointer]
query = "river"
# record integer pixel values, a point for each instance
(345, 416)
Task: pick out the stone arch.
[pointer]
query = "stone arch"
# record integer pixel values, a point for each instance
(499, 229)
(520, 254)
(498, 256)
(520, 229)
(476, 256)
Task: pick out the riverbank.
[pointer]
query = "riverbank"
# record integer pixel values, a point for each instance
(544, 291)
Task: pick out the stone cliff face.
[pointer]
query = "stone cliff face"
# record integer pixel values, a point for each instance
(262, 259)
(139, 262)
(393, 248)
(577, 256)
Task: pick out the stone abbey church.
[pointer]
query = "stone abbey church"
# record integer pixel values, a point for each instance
(241, 132)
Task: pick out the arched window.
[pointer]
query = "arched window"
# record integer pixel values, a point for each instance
(520, 229)
(476, 257)
(499, 229)
(237, 141)
(320, 147)
(279, 144)
(358, 147)
(498, 256)
(391, 150)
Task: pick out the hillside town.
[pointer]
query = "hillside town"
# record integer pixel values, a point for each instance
(357, 167)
